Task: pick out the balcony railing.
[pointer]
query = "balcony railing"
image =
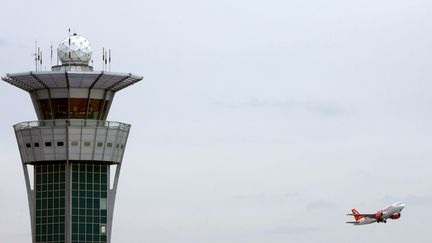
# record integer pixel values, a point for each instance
(71, 122)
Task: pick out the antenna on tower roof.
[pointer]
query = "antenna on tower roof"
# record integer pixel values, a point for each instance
(38, 58)
(103, 58)
(51, 54)
(109, 60)
(70, 55)
(106, 60)
(35, 55)
(57, 57)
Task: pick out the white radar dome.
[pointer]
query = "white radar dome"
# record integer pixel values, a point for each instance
(74, 49)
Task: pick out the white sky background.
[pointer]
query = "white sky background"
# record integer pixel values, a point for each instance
(256, 121)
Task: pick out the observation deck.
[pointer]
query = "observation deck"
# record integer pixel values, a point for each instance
(73, 140)
(72, 94)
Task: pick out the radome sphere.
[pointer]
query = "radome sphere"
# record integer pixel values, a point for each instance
(74, 49)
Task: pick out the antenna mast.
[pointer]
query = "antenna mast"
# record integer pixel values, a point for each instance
(35, 56)
(109, 60)
(103, 58)
(70, 54)
(38, 58)
(51, 55)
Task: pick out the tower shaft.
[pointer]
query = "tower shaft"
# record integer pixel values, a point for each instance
(71, 198)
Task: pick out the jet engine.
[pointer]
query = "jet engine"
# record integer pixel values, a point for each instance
(378, 216)
(396, 216)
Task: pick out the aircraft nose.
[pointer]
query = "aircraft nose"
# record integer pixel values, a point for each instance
(402, 205)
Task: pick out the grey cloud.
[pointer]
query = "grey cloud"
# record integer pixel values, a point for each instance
(267, 196)
(321, 204)
(3, 42)
(323, 108)
(418, 200)
(413, 200)
(294, 230)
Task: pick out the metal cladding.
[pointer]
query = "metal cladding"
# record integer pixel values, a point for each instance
(30, 81)
(72, 149)
(90, 140)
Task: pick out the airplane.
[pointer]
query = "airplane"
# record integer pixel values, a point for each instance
(390, 212)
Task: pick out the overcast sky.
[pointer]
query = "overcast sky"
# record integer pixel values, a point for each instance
(256, 121)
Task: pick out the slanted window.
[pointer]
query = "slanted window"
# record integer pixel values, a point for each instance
(48, 144)
(46, 108)
(78, 108)
(60, 108)
(28, 145)
(36, 145)
(60, 144)
(122, 146)
(94, 109)
(109, 145)
(118, 145)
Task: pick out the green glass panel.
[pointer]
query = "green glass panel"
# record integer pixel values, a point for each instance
(74, 176)
(87, 194)
(43, 229)
(50, 203)
(50, 206)
(97, 178)
(75, 225)
(62, 203)
(82, 177)
(74, 202)
(81, 228)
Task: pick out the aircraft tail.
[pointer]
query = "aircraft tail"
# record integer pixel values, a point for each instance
(357, 218)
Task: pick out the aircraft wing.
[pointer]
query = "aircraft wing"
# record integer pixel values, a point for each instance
(354, 222)
(362, 215)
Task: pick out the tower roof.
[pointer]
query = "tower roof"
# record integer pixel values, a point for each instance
(30, 81)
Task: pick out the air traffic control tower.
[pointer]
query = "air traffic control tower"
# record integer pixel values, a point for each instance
(68, 154)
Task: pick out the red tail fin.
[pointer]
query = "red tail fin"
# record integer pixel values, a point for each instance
(357, 218)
